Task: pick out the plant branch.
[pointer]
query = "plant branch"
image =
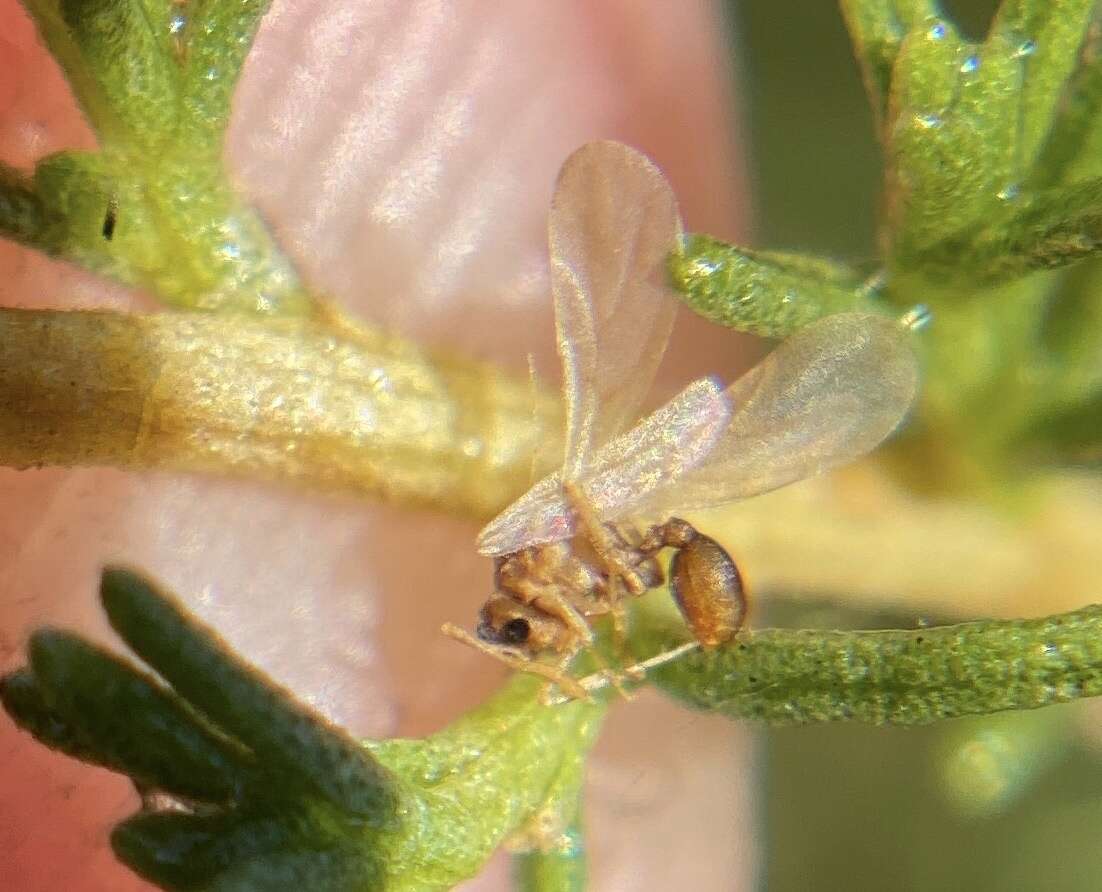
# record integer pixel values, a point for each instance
(277, 399)
(247, 789)
(898, 677)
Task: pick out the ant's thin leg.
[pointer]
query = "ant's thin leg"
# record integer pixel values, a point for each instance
(558, 606)
(519, 662)
(608, 550)
(599, 680)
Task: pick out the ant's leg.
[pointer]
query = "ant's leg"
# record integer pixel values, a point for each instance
(600, 680)
(608, 549)
(558, 606)
(515, 660)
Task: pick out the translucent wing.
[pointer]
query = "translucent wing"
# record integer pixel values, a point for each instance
(827, 395)
(613, 222)
(627, 470)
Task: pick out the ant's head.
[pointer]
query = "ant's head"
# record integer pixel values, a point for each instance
(505, 621)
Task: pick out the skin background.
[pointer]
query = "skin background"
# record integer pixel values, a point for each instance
(404, 152)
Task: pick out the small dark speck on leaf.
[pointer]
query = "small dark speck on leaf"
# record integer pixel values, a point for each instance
(110, 217)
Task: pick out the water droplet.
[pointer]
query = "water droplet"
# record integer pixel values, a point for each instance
(1026, 48)
(918, 318)
(970, 65)
(177, 24)
(936, 32)
(928, 121)
(230, 251)
(1008, 192)
(701, 267)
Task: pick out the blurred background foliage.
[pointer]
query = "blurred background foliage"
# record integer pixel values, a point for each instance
(1004, 802)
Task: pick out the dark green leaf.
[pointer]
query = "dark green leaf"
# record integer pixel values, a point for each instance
(23, 700)
(126, 721)
(235, 851)
(282, 733)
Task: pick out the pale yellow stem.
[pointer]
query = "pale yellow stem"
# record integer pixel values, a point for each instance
(326, 406)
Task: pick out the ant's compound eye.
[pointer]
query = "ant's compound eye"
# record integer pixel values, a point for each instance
(515, 631)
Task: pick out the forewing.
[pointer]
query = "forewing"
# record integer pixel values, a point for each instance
(648, 458)
(612, 225)
(827, 395)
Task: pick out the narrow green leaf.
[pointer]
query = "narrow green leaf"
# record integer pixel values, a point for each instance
(1047, 35)
(239, 851)
(877, 29)
(217, 37)
(113, 53)
(1029, 232)
(901, 677)
(763, 292)
(1070, 148)
(126, 721)
(282, 733)
(180, 231)
(79, 70)
(954, 134)
(24, 701)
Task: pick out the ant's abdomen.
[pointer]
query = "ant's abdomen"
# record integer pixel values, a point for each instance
(708, 589)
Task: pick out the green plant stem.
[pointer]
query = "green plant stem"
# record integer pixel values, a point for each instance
(562, 869)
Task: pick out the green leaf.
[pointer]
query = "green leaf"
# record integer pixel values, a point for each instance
(952, 152)
(277, 795)
(966, 121)
(244, 853)
(150, 72)
(877, 28)
(900, 677)
(216, 37)
(281, 734)
(130, 723)
(765, 293)
(511, 765)
(23, 700)
(1029, 232)
(1047, 35)
(138, 83)
(1070, 150)
(158, 98)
